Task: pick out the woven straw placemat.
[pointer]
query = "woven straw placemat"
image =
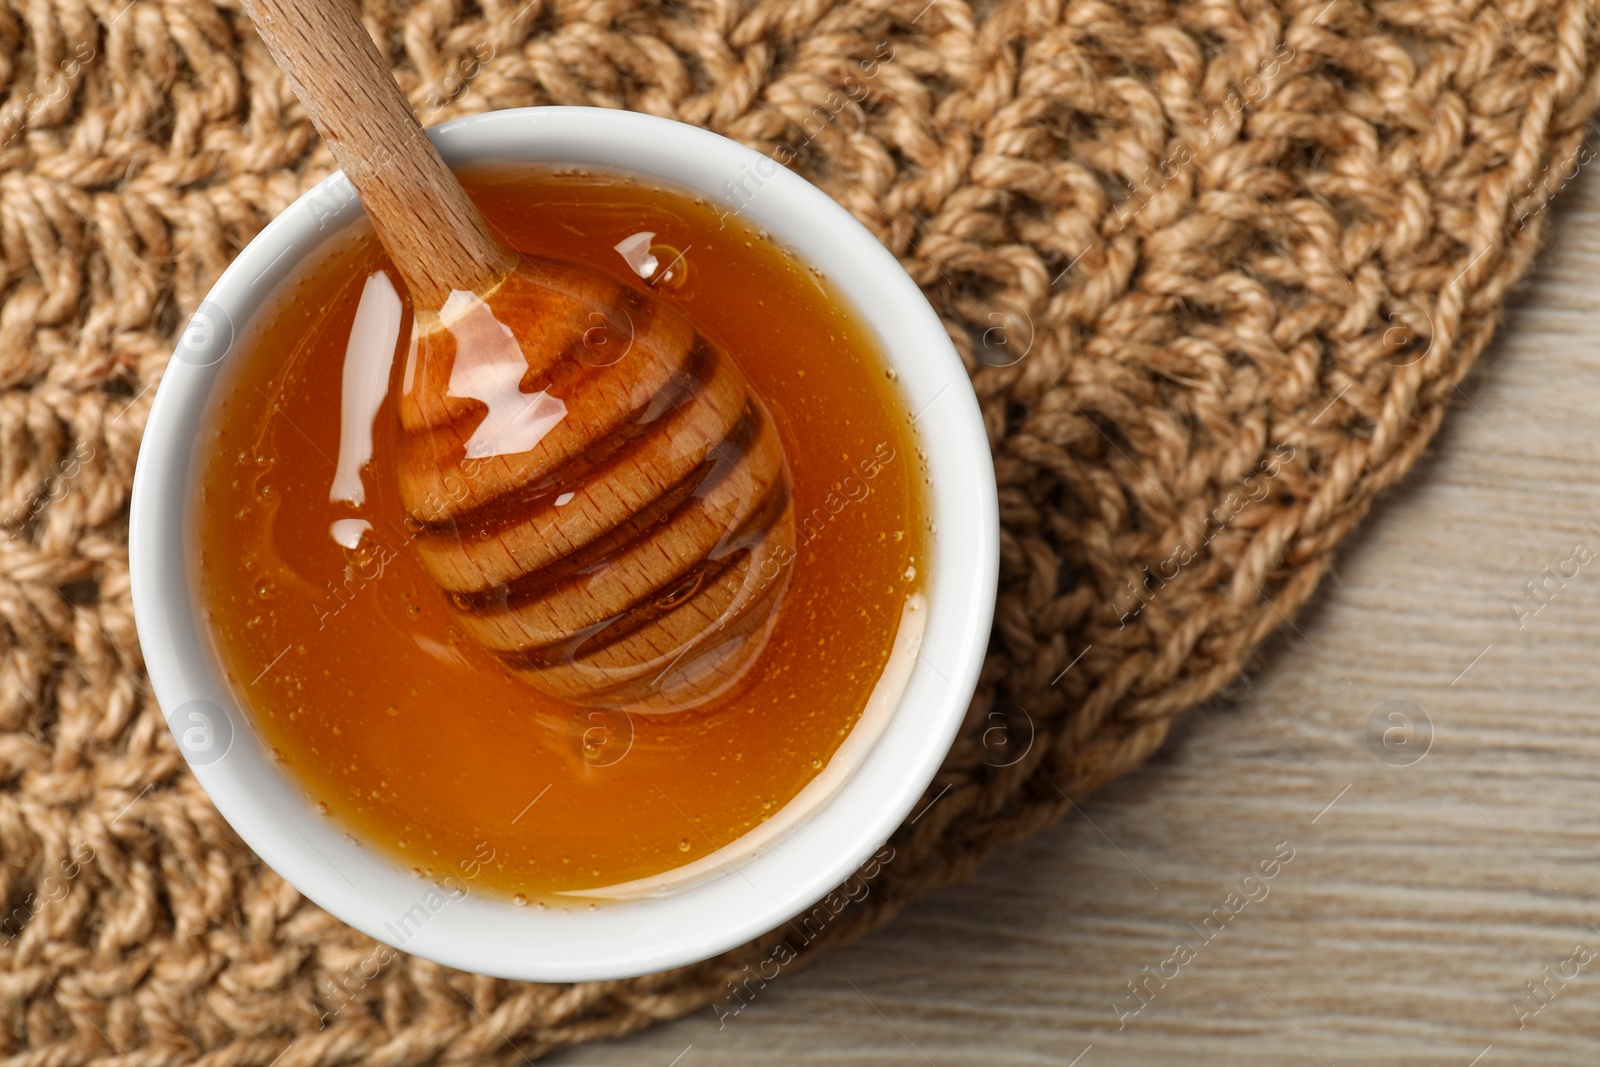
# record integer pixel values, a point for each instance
(1217, 269)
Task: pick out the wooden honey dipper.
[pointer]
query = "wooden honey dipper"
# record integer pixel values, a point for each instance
(599, 489)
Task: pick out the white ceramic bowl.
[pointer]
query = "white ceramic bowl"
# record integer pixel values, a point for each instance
(697, 919)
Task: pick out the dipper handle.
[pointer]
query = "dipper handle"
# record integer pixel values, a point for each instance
(437, 238)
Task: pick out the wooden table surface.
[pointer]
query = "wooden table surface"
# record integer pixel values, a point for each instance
(1420, 901)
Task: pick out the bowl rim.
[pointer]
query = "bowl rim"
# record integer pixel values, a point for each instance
(486, 935)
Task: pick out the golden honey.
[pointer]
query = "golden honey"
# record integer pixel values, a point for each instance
(356, 670)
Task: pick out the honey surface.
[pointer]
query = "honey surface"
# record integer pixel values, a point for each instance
(359, 677)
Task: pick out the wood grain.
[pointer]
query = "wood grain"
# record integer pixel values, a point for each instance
(1420, 899)
(437, 238)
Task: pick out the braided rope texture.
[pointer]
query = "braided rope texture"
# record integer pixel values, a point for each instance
(1217, 268)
